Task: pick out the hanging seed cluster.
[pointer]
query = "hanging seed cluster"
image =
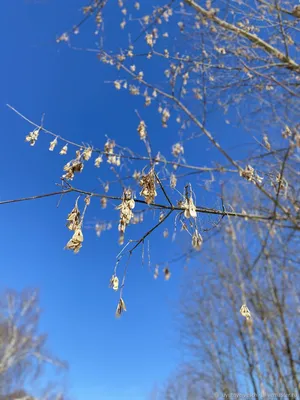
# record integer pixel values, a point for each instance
(177, 149)
(250, 174)
(147, 182)
(112, 158)
(197, 240)
(33, 136)
(74, 223)
(126, 213)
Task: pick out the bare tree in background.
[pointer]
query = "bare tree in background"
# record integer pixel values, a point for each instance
(232, 354)
(23, 352)
(234, 60)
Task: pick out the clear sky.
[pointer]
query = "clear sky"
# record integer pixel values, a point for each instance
(109, 358)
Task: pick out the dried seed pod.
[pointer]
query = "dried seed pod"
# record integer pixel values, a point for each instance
(142, 130)
(245, 312)
(126, 213)
(156, 272)
(72, 167)
(32, 137)
(173, 181)
(64, 150)
(98, 161)
(87, 154)
(197, 240)
(87, 200)
(73, 220)
(120, 308)
(167, 273)
(177, 149)
(75, 243)
(103, 202)
(250, 174)
(114, 282)
(53, 144)
(189, 208)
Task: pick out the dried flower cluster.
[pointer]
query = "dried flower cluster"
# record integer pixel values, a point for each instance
(147, 182)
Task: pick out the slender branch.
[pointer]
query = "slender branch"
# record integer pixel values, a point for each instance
(200, 210)
(151, 230)
(40, 196)
(131, 157)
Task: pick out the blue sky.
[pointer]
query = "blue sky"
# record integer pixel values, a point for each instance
(109, 358)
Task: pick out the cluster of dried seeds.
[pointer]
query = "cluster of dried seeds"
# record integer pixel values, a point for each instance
(109, 150)
(126, 213)
(197, 240)
(33, 136)
(73, 220)
(165, 117)
(177, 149)
(173, 181)
(142, 130)
(147, 182)
(87, 153)
(250, 174)
(75, 243)
(71, 167)
(189, 207)
(74, 223)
